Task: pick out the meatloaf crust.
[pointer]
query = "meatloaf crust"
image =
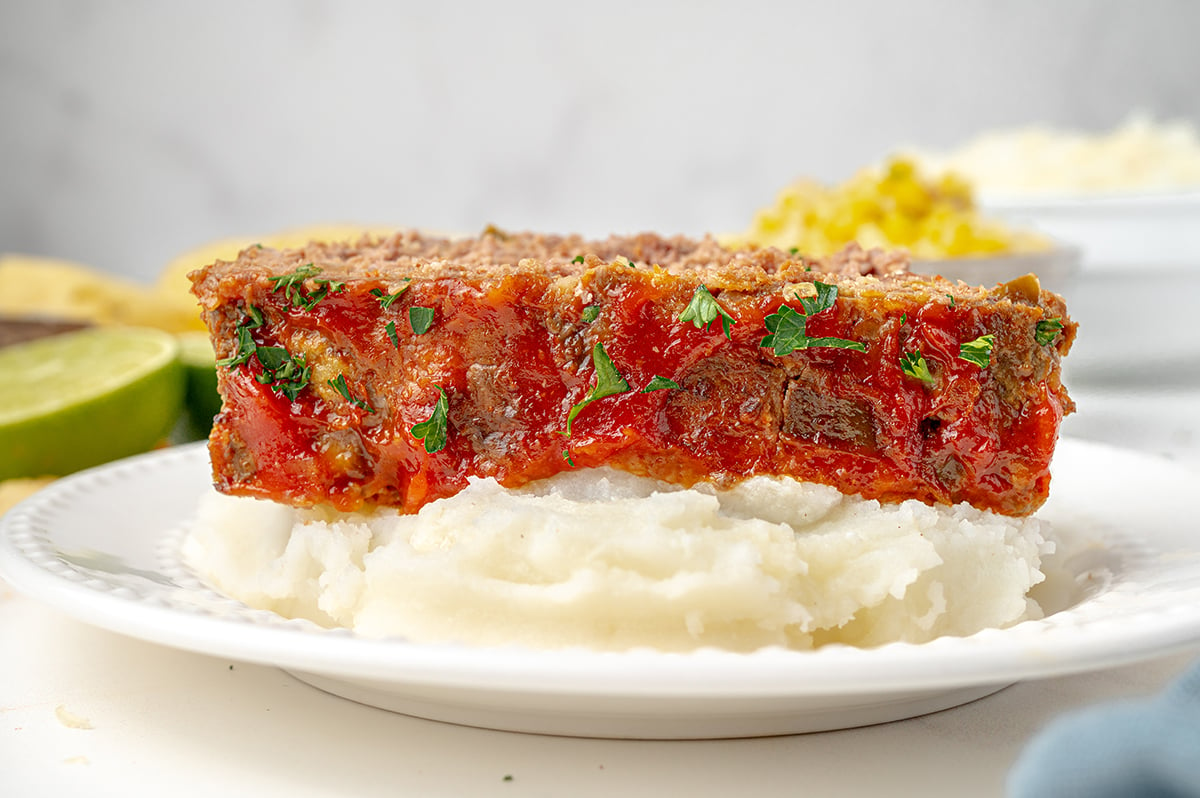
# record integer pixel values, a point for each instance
(529, 354)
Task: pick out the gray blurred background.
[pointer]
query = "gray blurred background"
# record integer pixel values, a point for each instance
(134, 130)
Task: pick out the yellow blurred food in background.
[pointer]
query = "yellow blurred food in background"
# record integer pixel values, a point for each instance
(890, 207)
(174, 282)
(34, 288)
(39, 287)
(1141, 155)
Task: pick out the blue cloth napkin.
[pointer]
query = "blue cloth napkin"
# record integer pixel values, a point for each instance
(1145, 748)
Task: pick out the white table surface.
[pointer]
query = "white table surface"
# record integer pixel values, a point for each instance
(167, 722)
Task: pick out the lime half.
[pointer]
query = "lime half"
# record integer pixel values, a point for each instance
(84, 398)
(201, 399)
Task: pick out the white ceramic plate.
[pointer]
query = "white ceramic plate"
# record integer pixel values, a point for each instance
(103, 546)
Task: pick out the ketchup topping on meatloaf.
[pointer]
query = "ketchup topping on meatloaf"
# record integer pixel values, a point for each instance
(388, 372)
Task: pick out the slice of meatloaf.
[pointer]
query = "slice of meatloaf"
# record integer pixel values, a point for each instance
(391, 371)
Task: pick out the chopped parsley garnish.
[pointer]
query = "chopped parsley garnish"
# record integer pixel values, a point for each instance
(826, 296)
(787, 328)
(339, 385)
(577, 259)
(903, 319)
(287, 374)
(567, 456)
(794, 251)
(608, 383)
(661, 384)
(421, 319)
(391, 331)
(386, 300)
(295, 277)
(1047, 330)
(272, 358)
(913, 364)
(433, 429)
(951, 298)
(704, 310)
(978, 351)
(246, 346)
(590, 313)
(292, 284)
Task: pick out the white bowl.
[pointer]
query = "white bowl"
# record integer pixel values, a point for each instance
(1056, 268)
(1136, 294)
(1113, 231)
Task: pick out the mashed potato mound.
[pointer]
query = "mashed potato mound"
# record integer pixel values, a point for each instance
(606, 560)
(1141, 155)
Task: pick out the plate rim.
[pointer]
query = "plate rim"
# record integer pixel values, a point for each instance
(300, 645)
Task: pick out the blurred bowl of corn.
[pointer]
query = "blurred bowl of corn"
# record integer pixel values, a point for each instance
(895, 206)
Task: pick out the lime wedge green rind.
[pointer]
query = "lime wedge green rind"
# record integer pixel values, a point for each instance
(202, 401)
(81, 399)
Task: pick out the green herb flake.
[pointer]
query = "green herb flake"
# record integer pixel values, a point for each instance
(421, 319)
(339, 385)
(567, 456)
(951, 298)
(433, 429)
(824, 300)
(385, 299)
(590, 313)
(787, 331)
(913, 364)
(903, 319)
(246, 346)
(391, 332)
(661, 384)
(295, 278)
(577, 259)
(978, 351)
(609, 382)
(1047, 330)
(794, 251)
(273, 357)
(703, 310)
(292, 285)
(326, 286)
(285, 373)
